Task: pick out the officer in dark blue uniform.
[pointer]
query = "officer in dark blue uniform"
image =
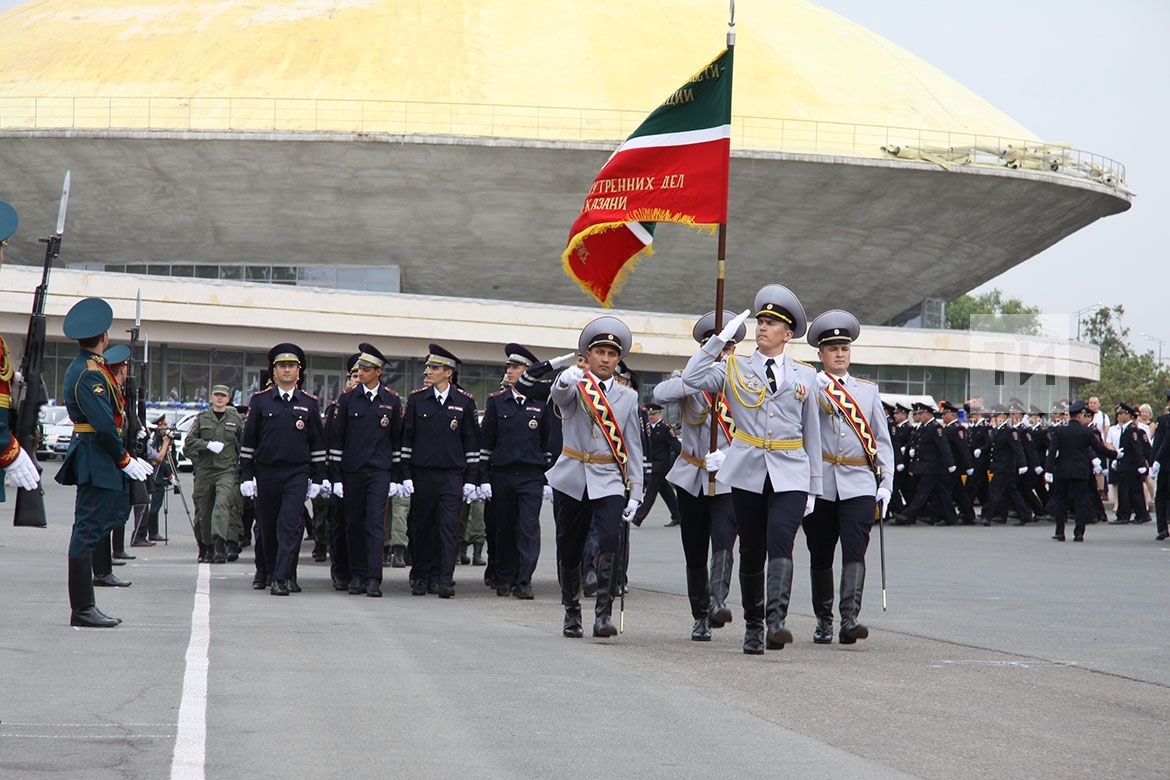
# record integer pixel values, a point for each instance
(97, 461)
(663, 448)
(1069, 469)
(440, 452)
(365, 442)
(338, 547)
(1008, 463)
(282, 462)
(979, 441)
(930, 461)
(1134, 456)
(1160, 471)
(514, 452)
(956, 435)
(900, 434)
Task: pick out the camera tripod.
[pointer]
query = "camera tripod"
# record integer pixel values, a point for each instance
(178, 488)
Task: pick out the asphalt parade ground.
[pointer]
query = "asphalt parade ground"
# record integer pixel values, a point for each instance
(1003, 654)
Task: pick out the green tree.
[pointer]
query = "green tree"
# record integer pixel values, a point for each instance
(1127, 376)
(1002, 315)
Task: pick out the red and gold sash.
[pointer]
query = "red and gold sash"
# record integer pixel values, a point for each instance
(718, 402)
(841, 398)
(603, 416)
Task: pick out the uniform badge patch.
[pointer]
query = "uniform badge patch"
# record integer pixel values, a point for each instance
(300, 425)
(533, 424)
(385, 421)
(98, 389)
(454, 425)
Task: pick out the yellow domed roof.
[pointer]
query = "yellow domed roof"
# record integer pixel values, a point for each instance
(593, 58)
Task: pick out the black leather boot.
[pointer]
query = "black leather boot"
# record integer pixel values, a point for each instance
(204, 553)
(397, 557)
(477, 555)
(84, 613)
(606, 588)
(700, 599)
(220, 552)
(589, 588)
(571, 598)
(751, 586)
(463, 556)
(720, 585)
(852, 583)
(103, 569)
(779, 591)
(233, 550)
(822, 602)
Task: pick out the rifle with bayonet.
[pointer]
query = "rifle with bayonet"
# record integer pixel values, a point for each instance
(30, 504)
(134, 431)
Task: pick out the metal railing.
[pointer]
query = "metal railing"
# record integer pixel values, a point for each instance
(401, 117)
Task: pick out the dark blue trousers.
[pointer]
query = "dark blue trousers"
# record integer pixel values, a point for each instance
(280, 512)
(516, 498)
(849, 520)
(95, 513)
(434, 514)
(364, 505)
(768, 523)
(707, 521)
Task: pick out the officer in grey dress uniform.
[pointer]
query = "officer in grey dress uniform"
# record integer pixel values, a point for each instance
(857, 474)
(707, 520)
(774, 465)
(598, 476)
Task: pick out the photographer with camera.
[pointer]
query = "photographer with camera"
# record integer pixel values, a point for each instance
(157, 453)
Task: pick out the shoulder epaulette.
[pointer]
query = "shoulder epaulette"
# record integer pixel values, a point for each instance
(866, 381)
(308, 395)
(498, 392)
(391, 391)
(802, 363)
(420, 390)
(465, 393)
(262, 392)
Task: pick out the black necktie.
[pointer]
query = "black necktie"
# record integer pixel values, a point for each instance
(770, 364)
(286, 397)
(371, 395)
(602, 386)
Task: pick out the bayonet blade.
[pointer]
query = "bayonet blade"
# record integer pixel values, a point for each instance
(64, 204)
(138, 309)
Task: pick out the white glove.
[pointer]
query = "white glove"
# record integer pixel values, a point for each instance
(248, 489)
(339, 490)
(326, 488)
(1120, 453)
(23, 472)
(882, 496)
(1155, 469)
(714, 460)
(1039, 469)
(950, 469)
(469, 492)
(1097, 469)
(1096, 464)
(313, 491)
(407, 488)
(1022, 470)
(631, 507)
(485, 491)
(215, 447)
(1048, 477)
(137, 469)
(900, 467)
(571, 376)
(911, 452)
(1142, 470)
(141, 434)
(395, 490)
(562, 360)
(970, 472)
(546, 494)
(809, 504)
(977, 453)
(728, 332)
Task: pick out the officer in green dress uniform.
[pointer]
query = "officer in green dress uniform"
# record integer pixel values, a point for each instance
(97, 461)
(213, 445)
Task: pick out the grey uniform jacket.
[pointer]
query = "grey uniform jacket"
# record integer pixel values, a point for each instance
(839, 439)
(573, 477)
(696, 439)
(788, 413)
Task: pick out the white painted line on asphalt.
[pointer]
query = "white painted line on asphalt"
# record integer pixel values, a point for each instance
(191, 740)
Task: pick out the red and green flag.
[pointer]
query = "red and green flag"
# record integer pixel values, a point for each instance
(673, 168)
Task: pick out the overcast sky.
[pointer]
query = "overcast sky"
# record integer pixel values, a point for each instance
(1094, 74)
(1087, 72)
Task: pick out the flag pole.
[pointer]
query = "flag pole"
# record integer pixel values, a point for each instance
(721, 267)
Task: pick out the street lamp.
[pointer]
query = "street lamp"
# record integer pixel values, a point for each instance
(1161, 343)
(1079, 312)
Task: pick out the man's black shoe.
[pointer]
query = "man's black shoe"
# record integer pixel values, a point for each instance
(445, 590)
(122, 555)
(418, 588)
(293, 585)
(1162, 536)
(260, 581)
(110, 581)
(372, 589)
(671, 524)
(356, 588)
(279, 588)
(523, 591)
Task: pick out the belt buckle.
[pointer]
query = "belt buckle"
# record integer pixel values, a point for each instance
(768, 445)
(839, 460)
(586, 458)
